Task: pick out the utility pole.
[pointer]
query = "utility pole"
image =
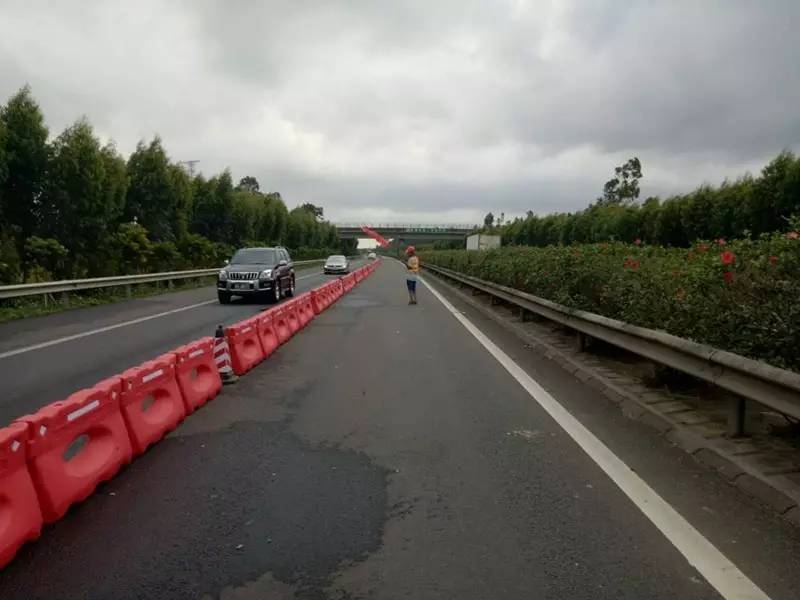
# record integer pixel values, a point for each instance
(189, 165)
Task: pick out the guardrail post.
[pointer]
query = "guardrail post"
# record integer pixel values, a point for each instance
(65, 298)
(580, 341)
(169, 284)
(736, 416)
(129, 291)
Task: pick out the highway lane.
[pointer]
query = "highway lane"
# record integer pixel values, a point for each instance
(40, 375)
(385, 453)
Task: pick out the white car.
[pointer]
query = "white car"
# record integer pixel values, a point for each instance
(336, 264)
(372, 256)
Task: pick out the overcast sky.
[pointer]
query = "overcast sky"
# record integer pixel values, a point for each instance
(423, 111)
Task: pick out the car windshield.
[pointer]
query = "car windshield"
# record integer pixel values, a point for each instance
(254, 256)
(336, 259)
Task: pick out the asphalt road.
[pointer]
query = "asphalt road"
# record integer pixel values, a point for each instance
(36, 376)
(384, 452)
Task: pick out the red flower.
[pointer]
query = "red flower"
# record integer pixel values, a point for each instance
(793, 235)
(727, 257)
(721, 242)
(638, 241)
(728, 276)
(773, 260)
(631, 264)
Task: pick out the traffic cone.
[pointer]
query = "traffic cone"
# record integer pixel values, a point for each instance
(222, 357)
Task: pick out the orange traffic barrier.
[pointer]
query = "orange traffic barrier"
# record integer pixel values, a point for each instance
(305, 312)
(319, 299)
(76, 444)
(20, 516)
(246, 351)
(151, 401)
(267, 333)
(197, 373)
(281, 324)
(290, 310)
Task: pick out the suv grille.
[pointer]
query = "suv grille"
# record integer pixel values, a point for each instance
(242, 276)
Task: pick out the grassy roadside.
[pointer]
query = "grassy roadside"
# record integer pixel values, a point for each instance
(36, 306)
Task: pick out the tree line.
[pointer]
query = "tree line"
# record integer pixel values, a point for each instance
(748, 206)
(73, 207)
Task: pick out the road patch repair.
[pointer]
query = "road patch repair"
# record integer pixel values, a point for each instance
(57, 457)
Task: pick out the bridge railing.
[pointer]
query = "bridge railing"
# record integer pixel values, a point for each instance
(416, 227)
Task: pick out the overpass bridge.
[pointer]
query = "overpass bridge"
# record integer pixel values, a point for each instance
(407, 232)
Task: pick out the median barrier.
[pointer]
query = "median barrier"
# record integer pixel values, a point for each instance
(290, 310)
(281, 324)
(198, 376)
(319, 299)
(245, 347)
(151, 401)
(305, 310)
(267, 333)
(76, 444)
(20, 515)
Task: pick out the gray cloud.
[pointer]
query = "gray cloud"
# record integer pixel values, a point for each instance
(423, 111)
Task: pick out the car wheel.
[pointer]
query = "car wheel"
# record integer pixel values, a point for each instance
(224, 297)
(290, 291)
(276, 291)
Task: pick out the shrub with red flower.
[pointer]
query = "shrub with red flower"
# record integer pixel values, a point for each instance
(631, 264)
(638, 241)
(727, 257)
(721, 242)
(728, 275)
(773, 260)
(793, 235)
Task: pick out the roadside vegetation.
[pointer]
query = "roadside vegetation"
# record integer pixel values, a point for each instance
(739, 295)
(748, 206)
(73, 207)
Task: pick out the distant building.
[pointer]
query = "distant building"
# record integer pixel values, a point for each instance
(481, 241)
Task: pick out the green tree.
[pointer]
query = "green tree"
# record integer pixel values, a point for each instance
(488, 220)
(26, 156)
(75, 204)
(248, 184)
(316, 211)
(624, 186)
(151, 199)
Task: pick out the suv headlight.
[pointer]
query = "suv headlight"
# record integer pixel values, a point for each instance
(265, 274)
(223, 275)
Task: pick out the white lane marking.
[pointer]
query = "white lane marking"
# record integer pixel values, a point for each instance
(84, 334)
(718, 570)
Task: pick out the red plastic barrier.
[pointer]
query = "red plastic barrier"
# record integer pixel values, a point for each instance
(281, 324)
(151, 401)
(268, 333)
(20, 516)
(76, 444)
(197, 373)
(290, 310)
(338, 289)
(246, 350)
(305, 309)
(319, 299)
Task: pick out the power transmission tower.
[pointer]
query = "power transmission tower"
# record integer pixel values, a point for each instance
(189, 165)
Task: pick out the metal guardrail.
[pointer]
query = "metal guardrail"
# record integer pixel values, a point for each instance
(71, 285)
(770, 386)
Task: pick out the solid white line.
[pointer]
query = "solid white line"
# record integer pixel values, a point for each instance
(717, 569)
(84, 334)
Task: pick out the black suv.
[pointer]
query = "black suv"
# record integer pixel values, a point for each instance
(257, 272)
